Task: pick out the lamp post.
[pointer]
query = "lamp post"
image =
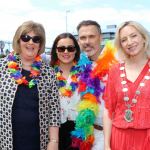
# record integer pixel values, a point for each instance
(67, 11)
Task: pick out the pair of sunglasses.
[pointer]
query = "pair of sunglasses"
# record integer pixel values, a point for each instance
(27, 38)
(63, 48)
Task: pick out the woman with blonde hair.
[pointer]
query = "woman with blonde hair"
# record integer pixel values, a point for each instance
(127, 100)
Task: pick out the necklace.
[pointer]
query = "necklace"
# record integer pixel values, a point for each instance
(15, 71)
(62, 82)
(129, 103)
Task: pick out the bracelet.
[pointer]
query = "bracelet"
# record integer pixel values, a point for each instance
(54, 140)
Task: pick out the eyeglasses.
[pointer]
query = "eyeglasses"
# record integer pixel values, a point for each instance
(63, 48)
(27, 38)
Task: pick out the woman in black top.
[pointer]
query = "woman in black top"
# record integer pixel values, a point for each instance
(29, 101)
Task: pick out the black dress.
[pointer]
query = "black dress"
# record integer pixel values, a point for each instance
(25, 117)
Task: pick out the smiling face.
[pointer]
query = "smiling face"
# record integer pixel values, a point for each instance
(89, 41)
(131, 41)
(29, 49)
(65, 57)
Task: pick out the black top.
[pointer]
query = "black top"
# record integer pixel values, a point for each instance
(25, 117)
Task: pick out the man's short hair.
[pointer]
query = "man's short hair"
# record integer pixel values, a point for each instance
(87, 23)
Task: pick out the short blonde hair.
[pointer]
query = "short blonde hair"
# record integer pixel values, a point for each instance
(140, 29)
(25, 28)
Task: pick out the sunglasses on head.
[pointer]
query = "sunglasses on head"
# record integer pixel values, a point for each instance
(27, 38)
(63, 48)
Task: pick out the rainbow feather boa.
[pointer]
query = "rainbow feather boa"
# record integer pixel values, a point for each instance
(90, 89)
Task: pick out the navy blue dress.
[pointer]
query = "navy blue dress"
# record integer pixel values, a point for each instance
(25, 118)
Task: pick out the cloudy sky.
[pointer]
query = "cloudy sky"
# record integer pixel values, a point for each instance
(52, 14)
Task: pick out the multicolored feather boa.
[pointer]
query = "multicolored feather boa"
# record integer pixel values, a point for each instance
(90, 89)
(61, 81)
(15, 71)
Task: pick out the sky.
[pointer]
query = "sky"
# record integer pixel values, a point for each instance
(58, 16)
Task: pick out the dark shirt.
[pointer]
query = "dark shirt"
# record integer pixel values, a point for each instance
(25, 117)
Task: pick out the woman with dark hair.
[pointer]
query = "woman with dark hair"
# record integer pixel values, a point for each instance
(64, 57)
(54, 57)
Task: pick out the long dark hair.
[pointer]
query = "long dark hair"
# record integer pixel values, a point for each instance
(54, 57)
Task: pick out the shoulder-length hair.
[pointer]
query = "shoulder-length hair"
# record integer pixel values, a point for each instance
(145, 34)
(25, 28)
(54, 57)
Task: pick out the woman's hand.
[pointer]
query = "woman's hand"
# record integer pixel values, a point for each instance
(53, 138)
(107, 148)
(107, 129)
(52, 146)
